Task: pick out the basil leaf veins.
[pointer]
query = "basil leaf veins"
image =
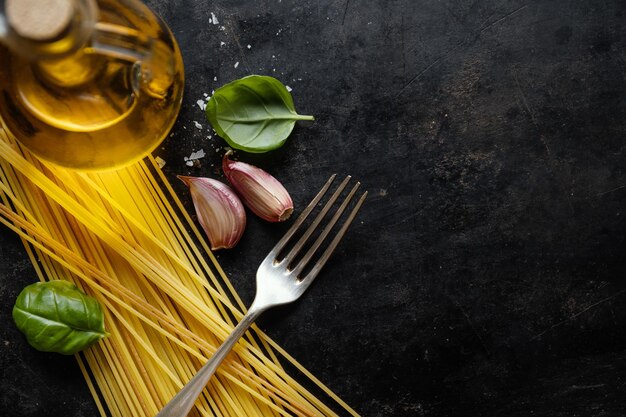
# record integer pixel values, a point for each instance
(254, 114)
(57, 317)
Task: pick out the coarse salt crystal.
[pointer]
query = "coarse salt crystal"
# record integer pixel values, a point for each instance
(198, 125)
(222, 43)
(236, 64)
(214, 19)
(189, 163)
(197, 155)
(249, 46)
(214, 78)
(160, 161)
(201, 104)
(289, 88)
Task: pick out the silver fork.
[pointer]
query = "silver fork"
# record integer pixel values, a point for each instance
(279, 281)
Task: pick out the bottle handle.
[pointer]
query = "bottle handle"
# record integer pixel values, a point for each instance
(153, 60)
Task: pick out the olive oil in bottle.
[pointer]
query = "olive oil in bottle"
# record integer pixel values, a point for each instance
(88, 84)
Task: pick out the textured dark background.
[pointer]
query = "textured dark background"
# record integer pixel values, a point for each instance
(486, 273)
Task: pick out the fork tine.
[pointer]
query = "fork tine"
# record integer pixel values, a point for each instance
(298, 246)
(318, 242)
(333, 244)
(283, 241)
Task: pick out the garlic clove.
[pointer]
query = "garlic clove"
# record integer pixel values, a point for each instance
(220, 212)
(263, 194)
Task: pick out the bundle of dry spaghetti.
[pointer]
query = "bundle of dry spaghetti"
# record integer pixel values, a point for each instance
(124, 238)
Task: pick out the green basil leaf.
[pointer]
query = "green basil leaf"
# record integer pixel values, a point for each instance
(56, 316)
(254, 114)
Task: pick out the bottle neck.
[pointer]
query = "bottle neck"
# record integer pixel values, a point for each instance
(46, 29)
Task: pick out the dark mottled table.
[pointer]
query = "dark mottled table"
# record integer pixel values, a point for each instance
(485, 275)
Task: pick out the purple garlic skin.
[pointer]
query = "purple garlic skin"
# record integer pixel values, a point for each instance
(220, 212)
(263, 194)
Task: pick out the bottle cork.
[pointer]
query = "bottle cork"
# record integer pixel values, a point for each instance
(39, 20)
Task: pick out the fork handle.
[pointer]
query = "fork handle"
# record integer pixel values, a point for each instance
(182, 403)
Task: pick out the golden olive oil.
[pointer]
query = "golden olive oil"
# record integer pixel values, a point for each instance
(106, 104)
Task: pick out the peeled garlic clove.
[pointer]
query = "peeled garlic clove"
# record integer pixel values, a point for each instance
(220, 212)
(262, 193)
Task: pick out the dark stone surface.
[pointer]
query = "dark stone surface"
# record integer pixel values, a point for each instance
(486, 273)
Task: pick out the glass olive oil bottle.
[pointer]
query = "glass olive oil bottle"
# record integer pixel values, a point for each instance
(88, 84)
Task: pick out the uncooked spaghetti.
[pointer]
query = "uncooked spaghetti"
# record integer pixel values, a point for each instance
(124, 238)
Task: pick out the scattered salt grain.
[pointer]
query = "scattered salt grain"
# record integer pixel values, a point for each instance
(201, 104)
(192, 160)
(198, 125)
(160, 161)
(236, 64)
(289, 88)
(222, 43)
(214, 78)
(249, 46)
(197, 155)
(214, 19)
